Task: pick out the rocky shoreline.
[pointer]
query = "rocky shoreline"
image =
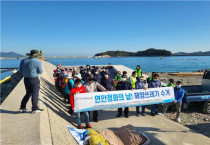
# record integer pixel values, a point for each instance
(193, 117)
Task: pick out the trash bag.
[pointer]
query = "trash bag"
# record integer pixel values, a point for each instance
(111, 137)
(146, 139)
(80, 135)
(130, 136)
(96, 138)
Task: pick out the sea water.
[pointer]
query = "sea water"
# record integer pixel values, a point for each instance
(148, 64)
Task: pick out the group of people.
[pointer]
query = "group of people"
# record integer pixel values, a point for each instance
(94, 79)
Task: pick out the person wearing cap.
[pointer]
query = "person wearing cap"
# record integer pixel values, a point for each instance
(69, 85)
(31, 67)
(117, 79)
(170, 83)
(104, 72)
(154, 83)
(81, 69)
(93, 69)
(78, 76)
(123, 85)
(93, 86)
(97, 76)
(60, 80)
(140, 84)
(133, 79)
(63, 82)
(57, 76)
(125, 73)
(74, 72)
(88, 66)
(107, 82)
(150, 77)
(86, 75)
(138, 70)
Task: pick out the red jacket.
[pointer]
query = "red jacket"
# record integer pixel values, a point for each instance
(73, 91)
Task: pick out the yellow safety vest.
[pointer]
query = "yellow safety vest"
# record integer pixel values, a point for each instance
(138, 72)
(133, 81)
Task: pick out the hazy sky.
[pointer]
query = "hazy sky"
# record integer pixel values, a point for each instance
(85, 28)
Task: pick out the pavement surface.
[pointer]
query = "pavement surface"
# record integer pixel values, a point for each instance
(49, 126)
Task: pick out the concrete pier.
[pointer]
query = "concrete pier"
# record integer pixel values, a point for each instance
(49, 126)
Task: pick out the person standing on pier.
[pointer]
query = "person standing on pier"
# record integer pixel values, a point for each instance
(123, 85)
(133, 79)
(97, 76)
(141, 84)
(117, 79)
(93, 86)
(31, 67)
(107, 82)
(138, 70)
(179, 95)
(154, 83)
(79, 88)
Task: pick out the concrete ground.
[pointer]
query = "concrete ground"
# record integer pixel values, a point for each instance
(49, 126)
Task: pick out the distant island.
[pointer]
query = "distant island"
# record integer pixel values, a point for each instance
(149, 52)
(11, 55)
(199, 53)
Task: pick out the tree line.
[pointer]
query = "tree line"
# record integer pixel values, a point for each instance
(148, 52)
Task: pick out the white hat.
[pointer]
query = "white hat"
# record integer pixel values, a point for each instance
(68, 76)
(78, 76)
(142, 77)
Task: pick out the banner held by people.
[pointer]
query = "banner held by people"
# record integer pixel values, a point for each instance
(119, 99)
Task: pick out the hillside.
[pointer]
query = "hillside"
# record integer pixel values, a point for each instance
(199, 53)
(148, 52)
(10, 54)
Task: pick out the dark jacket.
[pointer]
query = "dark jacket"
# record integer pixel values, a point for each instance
(154, 84)
(107, 83)
(97, 78)
(123, 85)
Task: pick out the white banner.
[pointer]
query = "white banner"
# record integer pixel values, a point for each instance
(119, 99)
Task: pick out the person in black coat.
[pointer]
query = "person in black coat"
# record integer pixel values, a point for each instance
(107, 82)
(96, 75)
(104, 72)
(123, 85)
(87, 74)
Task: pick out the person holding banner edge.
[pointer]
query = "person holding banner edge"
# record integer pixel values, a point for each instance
(179, 94)
(141, 84)
(154, 83)
(93, 86)
(79, 88)
(123, 85)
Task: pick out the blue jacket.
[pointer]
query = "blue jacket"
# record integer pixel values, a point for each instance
(140, 85)
(68, 87)
(179, 94)
(30, 67)
(154, 84)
